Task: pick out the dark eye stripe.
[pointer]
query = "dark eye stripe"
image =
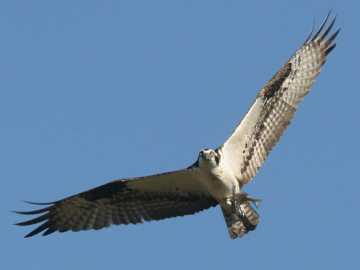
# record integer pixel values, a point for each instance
(217, 159)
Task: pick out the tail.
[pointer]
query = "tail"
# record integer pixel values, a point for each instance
(240, 218)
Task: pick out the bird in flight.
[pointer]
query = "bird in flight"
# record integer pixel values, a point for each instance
(216, 178)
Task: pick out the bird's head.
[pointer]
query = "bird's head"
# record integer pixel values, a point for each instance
(208, 157)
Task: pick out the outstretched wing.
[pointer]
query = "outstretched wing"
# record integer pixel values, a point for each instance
(124, 201)
(275, 105)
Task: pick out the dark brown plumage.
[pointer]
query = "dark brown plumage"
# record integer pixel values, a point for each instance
(117, 202)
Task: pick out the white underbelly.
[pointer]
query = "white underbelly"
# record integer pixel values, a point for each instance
(220, 186)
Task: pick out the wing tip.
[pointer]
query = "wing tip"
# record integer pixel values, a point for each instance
(39, 203)
(33, 212)
(323, 31)
(36, 220)
(41, 228)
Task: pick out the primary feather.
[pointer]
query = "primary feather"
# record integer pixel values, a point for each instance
(274, 107)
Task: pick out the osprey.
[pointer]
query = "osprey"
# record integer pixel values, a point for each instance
(216, 178)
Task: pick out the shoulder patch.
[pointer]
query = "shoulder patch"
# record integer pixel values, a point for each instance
(275, 83)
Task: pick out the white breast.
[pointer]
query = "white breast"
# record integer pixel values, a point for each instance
(219, 181)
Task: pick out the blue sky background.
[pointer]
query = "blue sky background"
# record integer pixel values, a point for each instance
(97, 90)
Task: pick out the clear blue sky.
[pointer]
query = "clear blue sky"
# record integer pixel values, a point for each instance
(96, 90)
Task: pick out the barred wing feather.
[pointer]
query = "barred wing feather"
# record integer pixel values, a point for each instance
(133, 201)
(274, 107)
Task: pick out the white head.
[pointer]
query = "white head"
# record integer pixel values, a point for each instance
(209, 158)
